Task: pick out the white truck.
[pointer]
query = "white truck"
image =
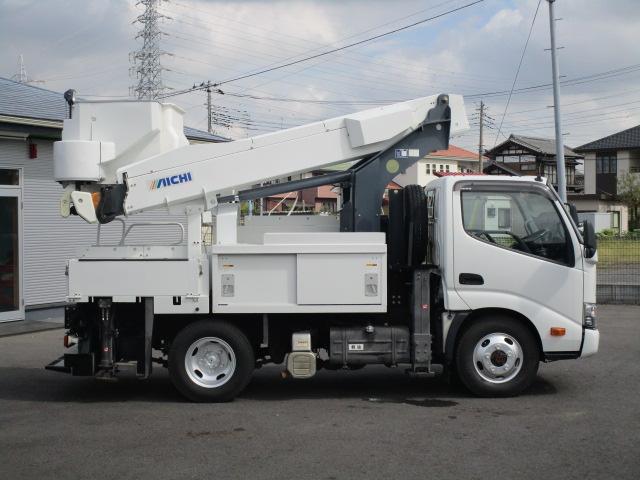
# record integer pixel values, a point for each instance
(481, 276)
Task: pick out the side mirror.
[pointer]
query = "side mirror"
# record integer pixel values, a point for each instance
(573, 213)
(590, 240)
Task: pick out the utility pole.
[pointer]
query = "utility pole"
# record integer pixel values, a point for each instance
(209, 112)
(560, 167)
(146, 61)
(480, 142)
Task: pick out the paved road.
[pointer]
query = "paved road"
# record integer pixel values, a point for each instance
(580, 420)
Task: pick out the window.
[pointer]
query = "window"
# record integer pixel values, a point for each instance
(328, 206)
(570, 175)
(527, 222)
(446, 167)
(441, 168)
(550, 173)
(607, 163)
(9, 176)
(527, 167)
(428, 169)
(504, 218)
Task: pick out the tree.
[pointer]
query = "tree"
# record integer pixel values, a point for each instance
(629, 194)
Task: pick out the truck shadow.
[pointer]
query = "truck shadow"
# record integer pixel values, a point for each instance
(372, 384)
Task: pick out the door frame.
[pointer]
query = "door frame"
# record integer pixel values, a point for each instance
(16, 191)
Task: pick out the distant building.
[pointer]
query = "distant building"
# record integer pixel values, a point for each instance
(323, 199)
(605, 160)
(608, 158)
(537, 156)
(454, 159)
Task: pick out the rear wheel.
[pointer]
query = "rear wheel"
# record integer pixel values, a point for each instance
(211, 361)
(497, 356)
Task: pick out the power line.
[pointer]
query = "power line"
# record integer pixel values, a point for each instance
(328, 52)
(515, 78)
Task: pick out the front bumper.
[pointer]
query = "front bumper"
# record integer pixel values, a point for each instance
(590, 343)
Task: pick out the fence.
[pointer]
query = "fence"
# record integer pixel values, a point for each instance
(619, 269)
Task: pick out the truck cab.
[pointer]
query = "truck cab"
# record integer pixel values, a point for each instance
(507, 249)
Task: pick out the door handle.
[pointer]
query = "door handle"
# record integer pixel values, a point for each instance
(471, 279)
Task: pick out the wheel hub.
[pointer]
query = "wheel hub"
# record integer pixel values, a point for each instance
(210, 362)
(497, 357)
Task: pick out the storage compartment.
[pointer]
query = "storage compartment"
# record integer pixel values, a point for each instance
(368, 345)
(296, 272)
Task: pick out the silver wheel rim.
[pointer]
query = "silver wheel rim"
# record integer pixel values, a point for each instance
(497, 357)
(210, 362)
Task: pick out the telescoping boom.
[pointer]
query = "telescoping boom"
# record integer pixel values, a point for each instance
(127, 157)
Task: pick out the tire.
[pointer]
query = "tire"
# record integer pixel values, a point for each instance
(211, 361)
(486, 345)
(416, 224)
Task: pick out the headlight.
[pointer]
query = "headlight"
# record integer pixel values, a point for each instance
(590, 315)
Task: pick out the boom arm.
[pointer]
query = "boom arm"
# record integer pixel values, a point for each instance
(126, 157)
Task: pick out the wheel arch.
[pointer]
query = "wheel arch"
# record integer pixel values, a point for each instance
(463, 320)
(167, 327)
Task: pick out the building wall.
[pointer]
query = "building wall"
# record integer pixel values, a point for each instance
(589, 173)
(50, 240)
(417, 173)
(601, 206)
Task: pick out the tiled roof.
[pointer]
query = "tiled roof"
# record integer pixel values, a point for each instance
(545, 146)
(24, 100)
(492, 166)
(629, 138)
(456, 152)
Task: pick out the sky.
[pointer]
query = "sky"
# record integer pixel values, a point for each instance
(475, 51)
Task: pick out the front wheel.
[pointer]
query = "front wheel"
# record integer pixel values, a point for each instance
(210, 361)
(497, 357)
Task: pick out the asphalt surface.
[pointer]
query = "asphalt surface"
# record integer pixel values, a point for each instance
(580, 420)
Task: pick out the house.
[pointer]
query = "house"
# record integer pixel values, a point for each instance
(323, 199)
(605, 160)
(608, 158)
(35, 241)
(453, 159)
(537, 156)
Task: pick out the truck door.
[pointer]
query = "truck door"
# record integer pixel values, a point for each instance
(513, 250)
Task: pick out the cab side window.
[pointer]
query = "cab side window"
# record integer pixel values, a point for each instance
(524, 221)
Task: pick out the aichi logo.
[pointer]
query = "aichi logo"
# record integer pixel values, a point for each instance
(168, 181)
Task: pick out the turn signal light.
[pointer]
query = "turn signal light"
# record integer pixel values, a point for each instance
(95, 199)
(557, 331)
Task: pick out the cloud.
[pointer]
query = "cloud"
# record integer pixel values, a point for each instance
(85, 44)
(504, 20)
